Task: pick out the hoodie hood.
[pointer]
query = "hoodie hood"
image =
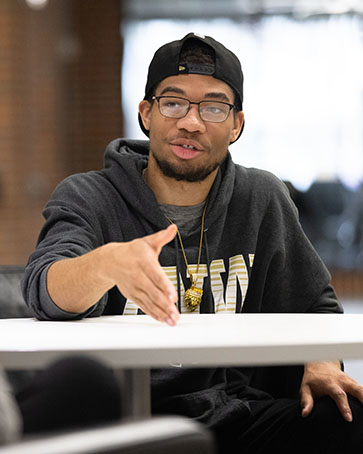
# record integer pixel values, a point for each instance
(125, 161)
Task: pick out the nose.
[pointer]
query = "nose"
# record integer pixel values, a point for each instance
(192, 121)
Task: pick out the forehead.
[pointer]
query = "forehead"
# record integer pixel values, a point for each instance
(195, 86)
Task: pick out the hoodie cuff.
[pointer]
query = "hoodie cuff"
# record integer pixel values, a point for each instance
(49, 308)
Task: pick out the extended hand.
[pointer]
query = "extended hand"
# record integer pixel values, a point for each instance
(135, 269)
(327, 378)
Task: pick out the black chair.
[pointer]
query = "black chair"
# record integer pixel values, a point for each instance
(12, 304)
(325, 214)
(157, 435)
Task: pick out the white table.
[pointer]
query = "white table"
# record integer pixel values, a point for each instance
(138, 343)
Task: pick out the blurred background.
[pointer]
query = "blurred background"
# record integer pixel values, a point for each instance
(73, 71)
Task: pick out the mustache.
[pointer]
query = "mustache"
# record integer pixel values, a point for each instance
(189, 136)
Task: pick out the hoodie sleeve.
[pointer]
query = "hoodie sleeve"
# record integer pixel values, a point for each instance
(288, 274)
(71, 229)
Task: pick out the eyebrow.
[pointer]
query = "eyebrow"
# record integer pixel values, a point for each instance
(171, 89)
(212, 95)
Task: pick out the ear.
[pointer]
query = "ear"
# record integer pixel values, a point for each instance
(239, 119)
(145, 113)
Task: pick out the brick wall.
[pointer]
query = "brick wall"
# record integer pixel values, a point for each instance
(60, 104)
(348, 284)
(95, 82)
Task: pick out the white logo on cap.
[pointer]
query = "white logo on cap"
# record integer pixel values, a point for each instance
(199, 35)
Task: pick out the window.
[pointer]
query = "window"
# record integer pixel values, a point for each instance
(303, 90)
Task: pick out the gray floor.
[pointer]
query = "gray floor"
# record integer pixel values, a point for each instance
(354, 368)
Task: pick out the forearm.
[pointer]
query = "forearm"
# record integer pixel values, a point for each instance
(76, 284)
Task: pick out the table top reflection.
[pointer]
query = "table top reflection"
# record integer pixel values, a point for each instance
(197, 340)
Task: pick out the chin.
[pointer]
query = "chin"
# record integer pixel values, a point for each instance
(182, 174)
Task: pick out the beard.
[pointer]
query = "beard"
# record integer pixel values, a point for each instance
(190, 175)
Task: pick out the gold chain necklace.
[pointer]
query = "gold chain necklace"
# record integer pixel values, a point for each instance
(193, 295)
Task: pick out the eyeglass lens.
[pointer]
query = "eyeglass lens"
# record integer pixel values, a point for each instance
(174, 107)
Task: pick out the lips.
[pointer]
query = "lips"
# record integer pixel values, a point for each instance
(185, 148)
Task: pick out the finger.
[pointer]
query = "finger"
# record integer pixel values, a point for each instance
(306, 401)
(164, 296)
(340, 398)
(153, 288)
(159, 239)
(152, 302)
(145, 263)
(154, 311)
(141, 297)
(355, 390)
(161, 281)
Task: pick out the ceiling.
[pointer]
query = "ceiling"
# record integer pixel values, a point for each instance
(238, 9)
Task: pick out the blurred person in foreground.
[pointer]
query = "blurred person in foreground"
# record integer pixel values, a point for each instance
(70, 393)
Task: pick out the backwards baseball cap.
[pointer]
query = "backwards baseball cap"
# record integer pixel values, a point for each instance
(166, 62)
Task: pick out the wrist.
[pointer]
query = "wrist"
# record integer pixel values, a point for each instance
(315, 364)
(103, 264)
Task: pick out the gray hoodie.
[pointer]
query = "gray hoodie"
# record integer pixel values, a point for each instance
(255, 258)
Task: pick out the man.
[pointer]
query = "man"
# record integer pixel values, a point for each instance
(234, 244)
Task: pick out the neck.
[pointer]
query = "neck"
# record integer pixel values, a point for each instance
(168, 191)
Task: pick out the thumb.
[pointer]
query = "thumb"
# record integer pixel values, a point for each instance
(306, 400)
(159, 239)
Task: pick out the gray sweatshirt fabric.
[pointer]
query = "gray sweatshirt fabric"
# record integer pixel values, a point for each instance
(255, 258)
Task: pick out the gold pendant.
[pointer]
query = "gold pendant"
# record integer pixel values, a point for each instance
(193, 298)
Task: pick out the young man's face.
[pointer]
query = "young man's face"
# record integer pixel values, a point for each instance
(171, 138)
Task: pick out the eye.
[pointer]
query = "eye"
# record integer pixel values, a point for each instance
(213, 109)
(171, 104)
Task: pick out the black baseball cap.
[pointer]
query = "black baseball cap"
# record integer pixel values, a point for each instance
(166, 63)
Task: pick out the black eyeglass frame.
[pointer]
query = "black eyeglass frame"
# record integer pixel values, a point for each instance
(157, 99)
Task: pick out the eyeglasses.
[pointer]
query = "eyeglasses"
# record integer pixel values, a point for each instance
(176, 107)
